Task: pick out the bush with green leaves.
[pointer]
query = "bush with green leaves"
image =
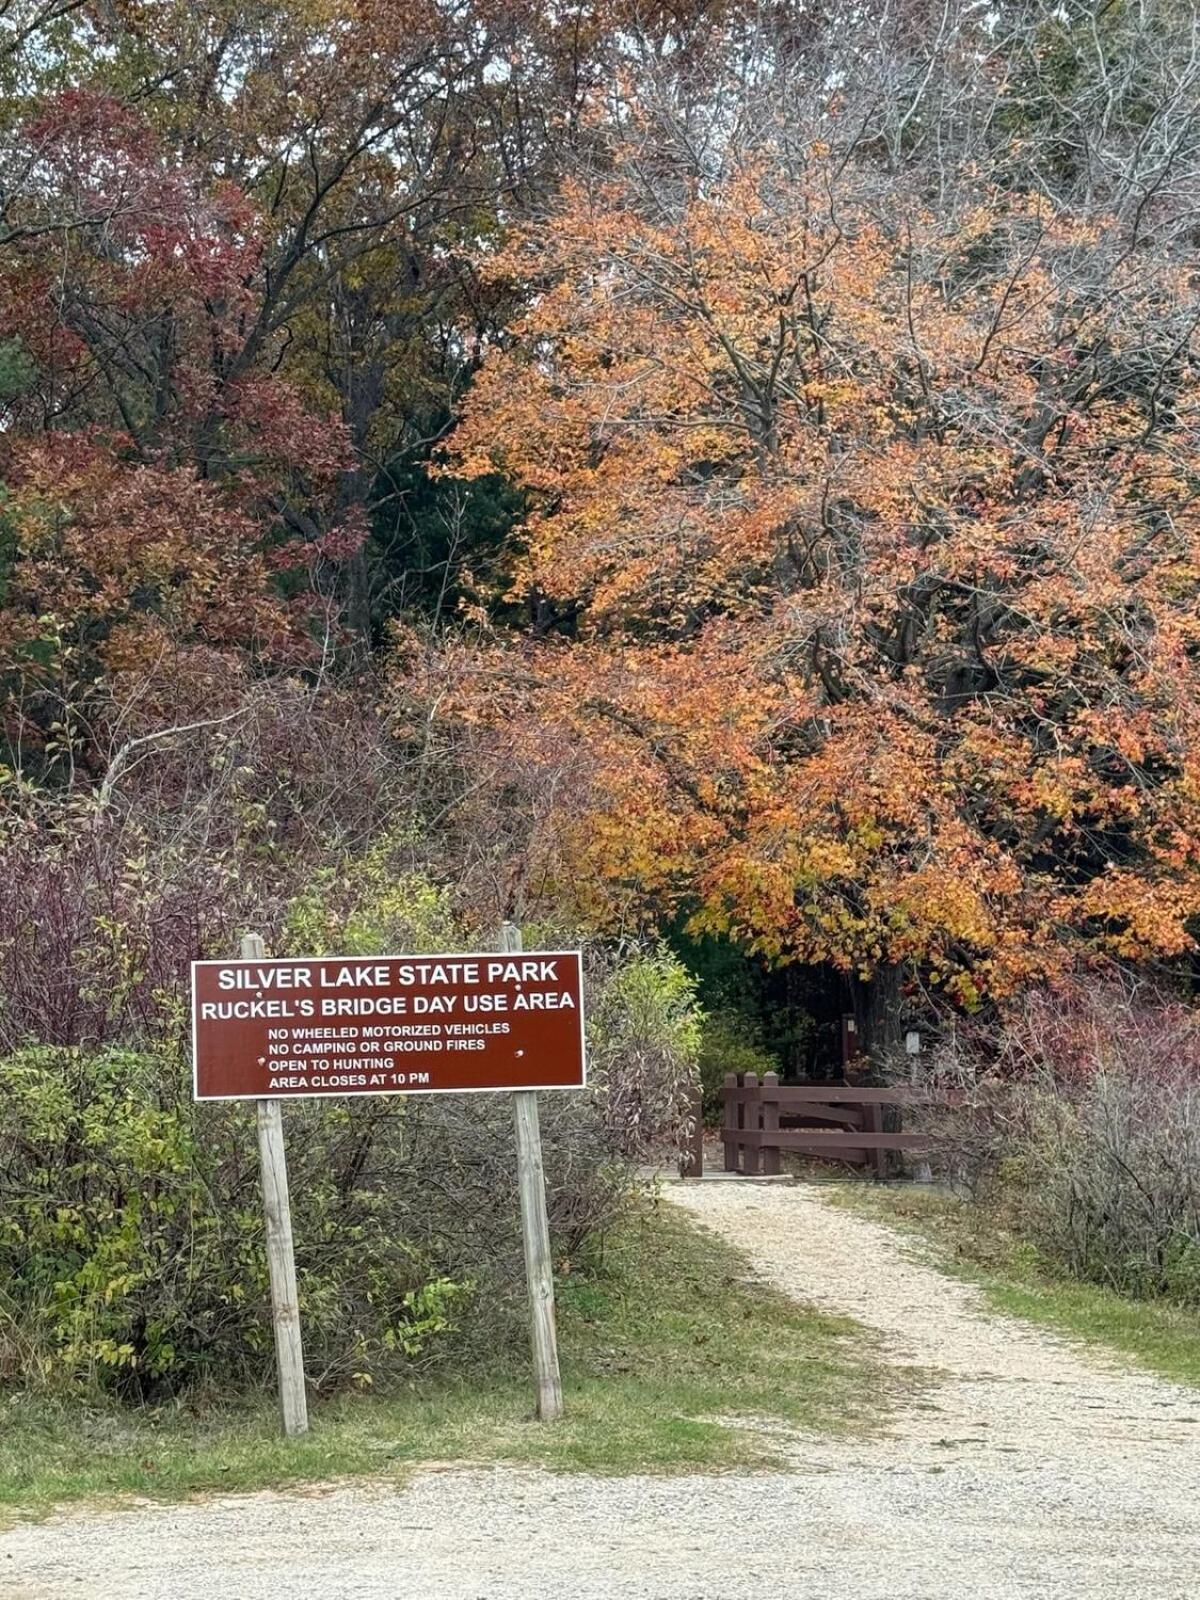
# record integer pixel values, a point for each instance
(131, 1234)
(644, 1031)
(131, 1227)
(373, 904)
(728, 1044)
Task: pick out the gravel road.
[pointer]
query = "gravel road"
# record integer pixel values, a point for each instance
(1029, 1468)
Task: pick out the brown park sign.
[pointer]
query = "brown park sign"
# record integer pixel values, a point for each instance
(387, 1025)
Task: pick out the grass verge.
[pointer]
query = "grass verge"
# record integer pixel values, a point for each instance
(659, 1341)
(975, 1241)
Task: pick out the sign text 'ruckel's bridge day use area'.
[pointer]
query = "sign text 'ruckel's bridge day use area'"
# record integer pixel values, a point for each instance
(387, 1025)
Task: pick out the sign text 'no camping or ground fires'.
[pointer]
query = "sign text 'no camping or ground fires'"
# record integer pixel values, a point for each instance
(387, 1025)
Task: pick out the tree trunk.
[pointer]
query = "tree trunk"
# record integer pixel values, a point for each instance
(878, 1012)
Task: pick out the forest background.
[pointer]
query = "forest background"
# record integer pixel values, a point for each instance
(718, 481)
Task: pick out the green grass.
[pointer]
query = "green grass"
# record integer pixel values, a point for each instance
(659, 1342)
(976, 1242)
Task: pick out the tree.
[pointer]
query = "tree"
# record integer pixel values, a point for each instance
(237, 244)
(866, 520)
(131, 599)
(234, 225)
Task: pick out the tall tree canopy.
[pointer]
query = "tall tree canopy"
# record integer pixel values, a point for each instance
(864, 547)
(239, 244)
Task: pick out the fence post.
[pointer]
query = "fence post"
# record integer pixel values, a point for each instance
(535, 1236)
(753, 1124)
(281, 1254)
(873, 1123)
(729, 1123)
(770, 1122)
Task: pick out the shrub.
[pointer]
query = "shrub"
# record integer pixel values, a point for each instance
(1081, 1114)
(728, 1044)
(963, 1101)
(373, 904)
(106, 897)
(96, 931)
(644, 1032)
(1106, 1123)
(1111, 1174)
(131, 1248)
(131, 1229)
(453, 1177)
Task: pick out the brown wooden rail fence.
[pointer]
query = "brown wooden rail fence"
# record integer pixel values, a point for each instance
(818, 1119)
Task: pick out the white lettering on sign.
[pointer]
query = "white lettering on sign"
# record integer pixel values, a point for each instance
(254, 1010)
(425, 1003)
(539, 1001)
(360, 977)
(439, 972)
(522, 972)
(485, 1002)
(264, 978)
(383, 1005)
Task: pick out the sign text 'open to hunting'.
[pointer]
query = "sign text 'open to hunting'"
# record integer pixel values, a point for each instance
(387, 1025)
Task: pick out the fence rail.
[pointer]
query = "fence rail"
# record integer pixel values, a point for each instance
(831, 1120)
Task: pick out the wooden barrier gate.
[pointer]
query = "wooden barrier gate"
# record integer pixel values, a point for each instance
(831, 1120)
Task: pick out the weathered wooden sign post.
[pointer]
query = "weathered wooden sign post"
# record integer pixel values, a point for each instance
(281, 1252)
(501, 1020)
(535, 1235)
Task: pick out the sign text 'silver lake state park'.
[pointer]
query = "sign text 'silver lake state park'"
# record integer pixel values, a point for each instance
(387, 1025)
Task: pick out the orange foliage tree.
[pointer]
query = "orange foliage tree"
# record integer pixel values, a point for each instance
(862, 563)
(131, 598)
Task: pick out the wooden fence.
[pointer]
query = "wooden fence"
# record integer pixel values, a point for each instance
(818, 1119)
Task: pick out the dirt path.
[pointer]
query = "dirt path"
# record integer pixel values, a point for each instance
(1027, 1469)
